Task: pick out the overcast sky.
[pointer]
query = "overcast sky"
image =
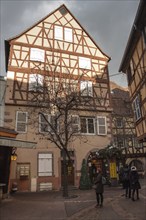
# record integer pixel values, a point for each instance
(108, 22)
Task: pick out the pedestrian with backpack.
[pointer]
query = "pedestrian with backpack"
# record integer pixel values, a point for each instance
(99, 189)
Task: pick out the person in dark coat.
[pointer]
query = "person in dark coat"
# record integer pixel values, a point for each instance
(126, 181)
(99, 188)
(134, 183)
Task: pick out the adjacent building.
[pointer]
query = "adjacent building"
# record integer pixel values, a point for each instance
(56, 52)
(2, 99)
(134, 66)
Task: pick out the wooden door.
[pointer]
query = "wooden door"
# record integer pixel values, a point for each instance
(70, 172)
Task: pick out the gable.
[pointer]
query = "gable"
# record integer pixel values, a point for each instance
(42, 34)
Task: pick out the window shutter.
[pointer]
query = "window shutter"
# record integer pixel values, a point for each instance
(83, 88)
(136, 106)
(21, 122)
(58, 33)
(68, 34)
(75, 123)
(43, 125)
(101, 125)
(90, 88)
(84, 63)
(45, 167)
(54, 123)
(37, 54)
(86, 88)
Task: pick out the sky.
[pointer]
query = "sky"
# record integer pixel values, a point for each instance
(108, 22)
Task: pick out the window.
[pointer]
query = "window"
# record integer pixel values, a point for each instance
(21, 122)
(44, 125)
(84, 63)
(119, 122)
(86, 88)
(36, 82)
(136, 106)
(37, 54)
(101, 125)
(63, 33)
(45, 167)
(63, 10)
(87, 125)
(131, 67)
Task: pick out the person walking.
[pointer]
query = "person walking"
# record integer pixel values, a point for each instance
(134, 183)
(99, 189)
(126, 181)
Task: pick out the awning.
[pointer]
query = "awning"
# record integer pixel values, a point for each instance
(9, 142)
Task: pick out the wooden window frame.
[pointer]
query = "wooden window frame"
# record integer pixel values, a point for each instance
(87, 125)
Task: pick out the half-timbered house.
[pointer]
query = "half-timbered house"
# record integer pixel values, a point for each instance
(134, 65)
(59, 47)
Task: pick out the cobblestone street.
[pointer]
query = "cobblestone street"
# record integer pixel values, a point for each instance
(52, 206)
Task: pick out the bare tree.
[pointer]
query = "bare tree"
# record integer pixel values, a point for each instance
(56, 101)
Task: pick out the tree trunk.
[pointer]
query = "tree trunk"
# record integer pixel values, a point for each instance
(65, 180)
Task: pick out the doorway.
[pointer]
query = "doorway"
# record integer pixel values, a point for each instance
(70, 172)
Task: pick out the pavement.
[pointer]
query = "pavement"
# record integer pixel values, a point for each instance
(80, 205)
